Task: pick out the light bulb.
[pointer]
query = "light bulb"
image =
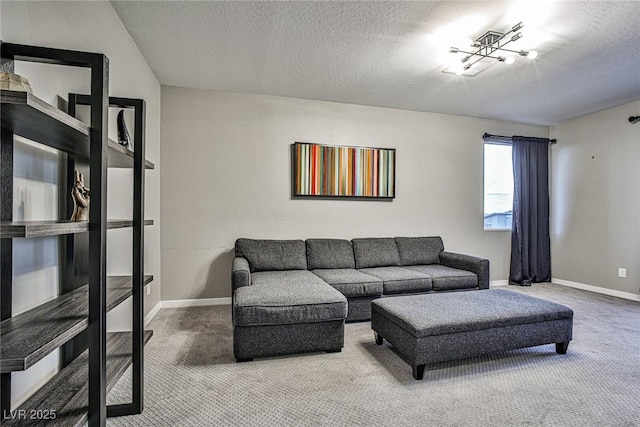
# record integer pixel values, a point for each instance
(453, 49)
(510, 60)
(517, 27)
(501, 58)
(532, 54)
(516, 37)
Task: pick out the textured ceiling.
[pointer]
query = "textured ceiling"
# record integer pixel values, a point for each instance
(391, 54)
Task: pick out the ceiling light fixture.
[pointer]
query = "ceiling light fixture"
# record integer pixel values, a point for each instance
(491, 45)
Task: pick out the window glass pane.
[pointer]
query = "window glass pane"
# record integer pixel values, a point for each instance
(498, 187)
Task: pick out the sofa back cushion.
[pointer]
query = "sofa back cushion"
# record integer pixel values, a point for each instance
(375, 252)
(419, 250)
(273, 255)
(329, 253)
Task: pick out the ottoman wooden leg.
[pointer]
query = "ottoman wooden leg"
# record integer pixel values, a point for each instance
(379, 338)
(418, 371)
(561, 347)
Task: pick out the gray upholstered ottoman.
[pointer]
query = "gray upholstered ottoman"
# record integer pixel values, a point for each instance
(438, 327)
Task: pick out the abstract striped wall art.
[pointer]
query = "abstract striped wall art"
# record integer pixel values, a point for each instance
(335, 171)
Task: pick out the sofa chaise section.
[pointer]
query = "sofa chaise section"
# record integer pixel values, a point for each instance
(287, 297)
(279, 307)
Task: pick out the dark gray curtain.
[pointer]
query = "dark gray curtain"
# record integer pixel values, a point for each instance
(530, 243)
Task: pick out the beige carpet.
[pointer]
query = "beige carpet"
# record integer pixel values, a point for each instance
(191, 378)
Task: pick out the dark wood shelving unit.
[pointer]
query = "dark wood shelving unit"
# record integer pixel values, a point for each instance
(67, 390)
(75, 321)
(27, 115)
(31, 229)
(31, 335)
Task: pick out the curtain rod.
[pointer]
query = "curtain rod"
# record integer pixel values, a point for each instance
(508, 138)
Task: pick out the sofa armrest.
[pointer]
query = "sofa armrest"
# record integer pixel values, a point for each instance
(479, 266)
(240, 273)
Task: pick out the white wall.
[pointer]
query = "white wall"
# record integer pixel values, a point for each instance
(226, 174)
(95, 27)
(595, 202)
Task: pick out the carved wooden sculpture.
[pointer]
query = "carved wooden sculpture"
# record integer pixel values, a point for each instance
(80, 195)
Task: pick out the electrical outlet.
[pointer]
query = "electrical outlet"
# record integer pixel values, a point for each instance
(622, 272)
(148, 289)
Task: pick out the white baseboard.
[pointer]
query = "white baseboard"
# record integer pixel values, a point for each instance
(185, 303)
(195, 302)
(149, 317)
(495, 283)
(596, 289)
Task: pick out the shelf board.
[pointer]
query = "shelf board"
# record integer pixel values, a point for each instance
(122, 157)
(124, 223)
(67, 392)
(28, 116)
(29, 336)
(30, 229)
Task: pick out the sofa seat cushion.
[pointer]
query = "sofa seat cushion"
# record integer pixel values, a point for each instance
(329, 253)
(287, 297)
(351, 283)
(446, 278)
(399, 280)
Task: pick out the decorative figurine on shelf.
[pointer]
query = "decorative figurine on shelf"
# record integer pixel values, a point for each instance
(123, 134)
(11, 81)
(80, 195)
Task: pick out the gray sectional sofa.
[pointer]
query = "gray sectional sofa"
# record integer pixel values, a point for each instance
(292, 296)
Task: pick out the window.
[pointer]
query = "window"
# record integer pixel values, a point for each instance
(498, 186)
